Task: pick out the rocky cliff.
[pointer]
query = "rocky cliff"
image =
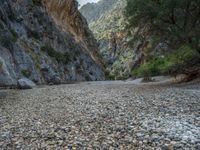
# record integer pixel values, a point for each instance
(109, 28)
(47, 41)
(123, 50)
(93, 11)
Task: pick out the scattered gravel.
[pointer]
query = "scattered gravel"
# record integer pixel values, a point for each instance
(101, 115)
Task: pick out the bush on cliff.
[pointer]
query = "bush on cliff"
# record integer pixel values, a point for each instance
(60, 57)
(177, 62)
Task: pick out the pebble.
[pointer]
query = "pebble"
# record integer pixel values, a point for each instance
(96, 116)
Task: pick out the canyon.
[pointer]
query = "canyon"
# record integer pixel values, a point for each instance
(44, 43)
(48, 42)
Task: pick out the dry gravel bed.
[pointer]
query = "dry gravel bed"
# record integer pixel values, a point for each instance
(101, 115)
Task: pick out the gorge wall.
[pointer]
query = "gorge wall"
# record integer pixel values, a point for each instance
(46, 41)
(133, 46)
(108, 24)
(122, 49)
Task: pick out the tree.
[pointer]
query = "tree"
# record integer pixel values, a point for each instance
(179, 19)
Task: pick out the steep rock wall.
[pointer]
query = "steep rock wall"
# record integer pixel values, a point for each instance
(65, 13)
(109, 27)
(47, 42)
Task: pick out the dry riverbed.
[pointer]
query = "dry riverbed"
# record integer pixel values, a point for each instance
(101, 115)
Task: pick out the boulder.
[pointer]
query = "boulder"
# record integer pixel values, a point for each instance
(25, 83)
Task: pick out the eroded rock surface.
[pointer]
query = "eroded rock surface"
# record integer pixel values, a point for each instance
(36, 33)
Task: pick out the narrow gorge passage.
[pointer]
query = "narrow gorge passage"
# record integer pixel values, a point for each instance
(99, 75)
(101, 115)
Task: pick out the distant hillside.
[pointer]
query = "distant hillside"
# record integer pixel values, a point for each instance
(92, 11)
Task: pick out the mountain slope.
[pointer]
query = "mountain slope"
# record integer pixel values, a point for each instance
(93, 11)
(109, 28)
(133, 45)
(47, 42)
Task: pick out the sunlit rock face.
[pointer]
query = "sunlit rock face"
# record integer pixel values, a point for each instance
(65, 14)
(46, 41)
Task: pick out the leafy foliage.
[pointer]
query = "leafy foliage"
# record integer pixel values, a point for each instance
(26, 73)
(176, 62)
(15, 35)
(180, 19)
(7, 39)
(60, 57)
(37, 2)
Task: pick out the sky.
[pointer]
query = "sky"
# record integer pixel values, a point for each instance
(82, 2)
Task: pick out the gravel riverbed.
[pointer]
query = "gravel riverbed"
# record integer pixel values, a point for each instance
(101, 115)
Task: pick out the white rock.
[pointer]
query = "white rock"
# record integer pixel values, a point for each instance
(25, 83)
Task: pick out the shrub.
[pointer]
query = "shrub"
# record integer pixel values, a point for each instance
(109, 76)
(11, 15)
(37, 2)
(6, 42)
(87, 78)
(36, 59)
(60, 57)
(7, 39)
(1, 66)
(26, 73)
(176, 62)
(33, 34)
(15, 35)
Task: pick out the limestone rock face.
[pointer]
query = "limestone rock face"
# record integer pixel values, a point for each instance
(65, 14)
(45, 41)
(108, 24)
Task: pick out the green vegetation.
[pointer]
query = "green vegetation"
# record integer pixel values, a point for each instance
(87, 78)
(37, 2)
(176, 62)
(117, 73)
(175, 21)
(6, 42)
(109, 76)
(32, 34)
(178, 19)
(60, 57)
(1, 66)
(36, 59)
(26, 73)
(15, 35)
(8, 39)
(12, 16)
